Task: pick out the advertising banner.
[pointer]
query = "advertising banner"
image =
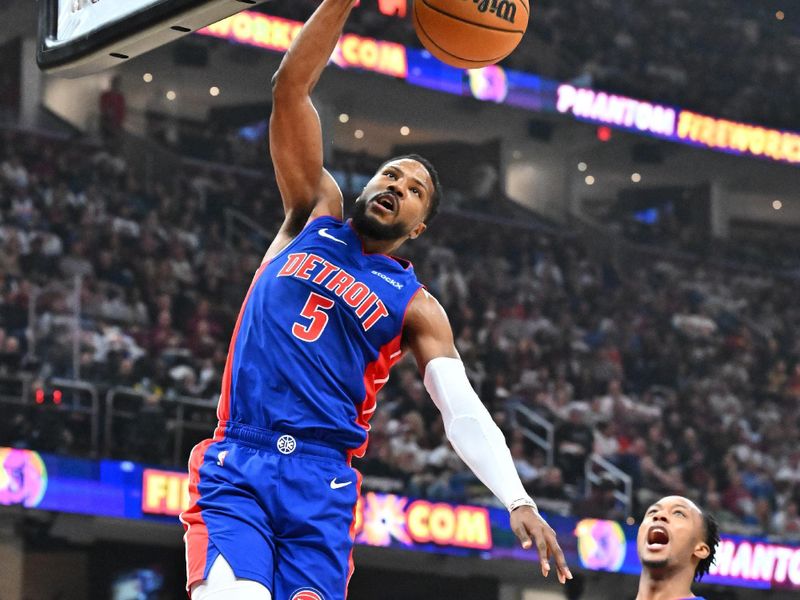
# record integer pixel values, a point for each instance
(128, 490)
(523, 90)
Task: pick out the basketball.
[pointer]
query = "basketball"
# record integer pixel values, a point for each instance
(470, 33)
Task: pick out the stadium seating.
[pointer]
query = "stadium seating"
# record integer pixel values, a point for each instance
(683, 376)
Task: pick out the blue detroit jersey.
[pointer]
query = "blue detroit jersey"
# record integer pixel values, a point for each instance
(316, 336)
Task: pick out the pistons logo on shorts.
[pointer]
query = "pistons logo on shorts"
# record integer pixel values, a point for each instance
(307, 594)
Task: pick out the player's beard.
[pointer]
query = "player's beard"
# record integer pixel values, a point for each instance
(370, 227)
(655, 564)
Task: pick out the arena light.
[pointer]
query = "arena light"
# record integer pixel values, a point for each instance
(171, 95)
(636, 177)
(344, 118)
(358, 134)
(582, 166)
(604, 133)
(405, 130)
(589, 180)
(148, 77)
(390, 8)
(780, 15)
(777, 205)
(214, 91)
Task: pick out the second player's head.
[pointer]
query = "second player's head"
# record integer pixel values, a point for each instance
(676, 536)
(399, 201)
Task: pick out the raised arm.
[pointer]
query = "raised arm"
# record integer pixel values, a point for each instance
(469, 427)
(295, 133)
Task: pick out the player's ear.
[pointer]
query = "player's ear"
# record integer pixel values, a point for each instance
(701, 550)
(417, 231)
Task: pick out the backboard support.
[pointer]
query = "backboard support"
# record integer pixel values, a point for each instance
(80, 37)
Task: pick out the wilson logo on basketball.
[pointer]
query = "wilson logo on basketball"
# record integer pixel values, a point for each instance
(503, 9)
(307, 594)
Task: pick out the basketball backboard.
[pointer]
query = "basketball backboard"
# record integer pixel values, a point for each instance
(78, 37)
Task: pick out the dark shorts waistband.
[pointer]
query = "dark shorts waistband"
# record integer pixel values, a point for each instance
(279, 442)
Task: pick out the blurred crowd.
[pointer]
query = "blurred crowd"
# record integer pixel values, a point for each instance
(759, 246)
(145, 267)
(685, 377)
(735, 60)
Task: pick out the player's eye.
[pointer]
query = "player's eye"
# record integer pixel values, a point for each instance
(680, 512)
(390, 174)
(416, 191)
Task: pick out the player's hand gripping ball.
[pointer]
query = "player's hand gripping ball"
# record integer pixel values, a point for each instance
(470, 33)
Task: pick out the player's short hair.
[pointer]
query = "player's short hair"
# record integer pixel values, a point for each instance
(711, 531)
(437, 185)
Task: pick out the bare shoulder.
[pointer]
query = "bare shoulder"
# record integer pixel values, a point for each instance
(424, 312)
(426, 331)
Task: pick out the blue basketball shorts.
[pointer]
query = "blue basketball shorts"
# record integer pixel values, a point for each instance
(279, 509)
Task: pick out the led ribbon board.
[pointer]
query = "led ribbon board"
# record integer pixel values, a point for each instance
(524, 90)
(127, 490)
(677, 125)
(274, 33)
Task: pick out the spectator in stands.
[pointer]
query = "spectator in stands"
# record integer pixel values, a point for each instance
(790, 468)
(551, 485)
(10, 257)
(574, 441)
(528, 473)
(601, 503)
(10, 354)
(549, 326)
(14, 172)
(787, 521)
(606, 443)
(737, 498)
(123, 373)
(112, 109)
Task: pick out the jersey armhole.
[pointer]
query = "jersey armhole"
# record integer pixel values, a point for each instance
(311, 224)
(316, 218)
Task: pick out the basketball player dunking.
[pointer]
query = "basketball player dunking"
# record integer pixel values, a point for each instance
(676, 544)
(327, 314)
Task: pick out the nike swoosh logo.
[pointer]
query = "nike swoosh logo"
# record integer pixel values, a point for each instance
(324, 233)
(335, 485)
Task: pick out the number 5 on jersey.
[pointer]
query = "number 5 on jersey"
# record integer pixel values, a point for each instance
(314, 309)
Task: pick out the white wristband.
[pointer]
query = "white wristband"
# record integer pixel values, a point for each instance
(527, 501)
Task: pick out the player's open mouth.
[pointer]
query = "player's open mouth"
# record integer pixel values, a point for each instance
(657, 538)
(387, 201)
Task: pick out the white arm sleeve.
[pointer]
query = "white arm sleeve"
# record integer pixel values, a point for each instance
(475, 437)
